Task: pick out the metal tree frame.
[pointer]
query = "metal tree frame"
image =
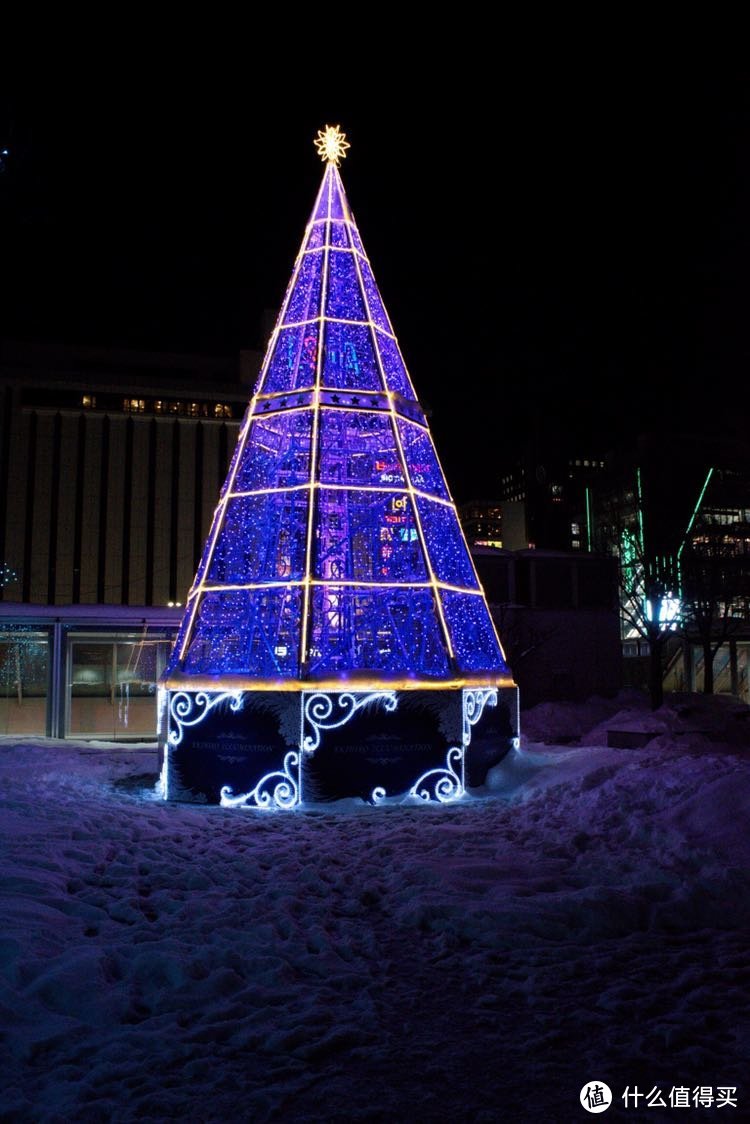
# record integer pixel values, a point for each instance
(335, 551)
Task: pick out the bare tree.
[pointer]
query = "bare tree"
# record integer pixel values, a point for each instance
(647, 583)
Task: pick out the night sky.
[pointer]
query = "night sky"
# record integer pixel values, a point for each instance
(563, 249)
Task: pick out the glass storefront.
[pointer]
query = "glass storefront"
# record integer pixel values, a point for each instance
(66, 674)
(24, 679)
(112, 685)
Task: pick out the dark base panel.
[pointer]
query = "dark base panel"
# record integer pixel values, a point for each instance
(266, 749)
(494, 735)
(239, 740)
(381, 752)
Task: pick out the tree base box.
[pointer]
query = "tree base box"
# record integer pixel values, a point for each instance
(283, 749)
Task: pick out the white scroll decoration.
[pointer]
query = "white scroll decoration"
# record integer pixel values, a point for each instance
(320, 712)
(442, 785)
(279, 789)
(188, 709)
(475, 701)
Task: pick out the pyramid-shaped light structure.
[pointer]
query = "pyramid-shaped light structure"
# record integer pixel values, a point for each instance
(335, 552)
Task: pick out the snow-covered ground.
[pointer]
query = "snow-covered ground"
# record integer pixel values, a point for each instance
(583, 918)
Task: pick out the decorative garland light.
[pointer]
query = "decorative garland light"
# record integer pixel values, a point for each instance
(295, 505)
(278, 789)
(335, 564)
(443, 785)
(331, 144)
(188, 709)
(320, 713)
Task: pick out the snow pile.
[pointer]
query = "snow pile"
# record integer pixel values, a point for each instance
(583, 917)
(563, 723)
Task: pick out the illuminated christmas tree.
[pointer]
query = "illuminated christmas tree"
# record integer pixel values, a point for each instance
(335, 568)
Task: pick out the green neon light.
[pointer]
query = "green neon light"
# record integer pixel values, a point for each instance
(639, 505)
(696, 509)
(589, 537)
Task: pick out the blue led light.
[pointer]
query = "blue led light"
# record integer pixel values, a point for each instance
(336, 547)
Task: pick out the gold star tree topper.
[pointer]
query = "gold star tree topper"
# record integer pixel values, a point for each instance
(331, 144)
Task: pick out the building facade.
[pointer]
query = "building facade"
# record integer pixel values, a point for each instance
(545, 500)
(482, 522)
(110, 468)
(557, 615)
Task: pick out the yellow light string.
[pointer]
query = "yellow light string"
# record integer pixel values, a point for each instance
(471, 560)
(362, 682)
(338, 583)
(217, 521)
(405, 468)
(384, 490)
(344, 407)
(336, 320)
(424, 425)
(305, 624)
(347, 249)
(271, 394)
(330, 246)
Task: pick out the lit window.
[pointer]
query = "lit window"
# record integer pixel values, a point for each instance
(575, 529)
(134, 405)
(158, 406)
(89, 402)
